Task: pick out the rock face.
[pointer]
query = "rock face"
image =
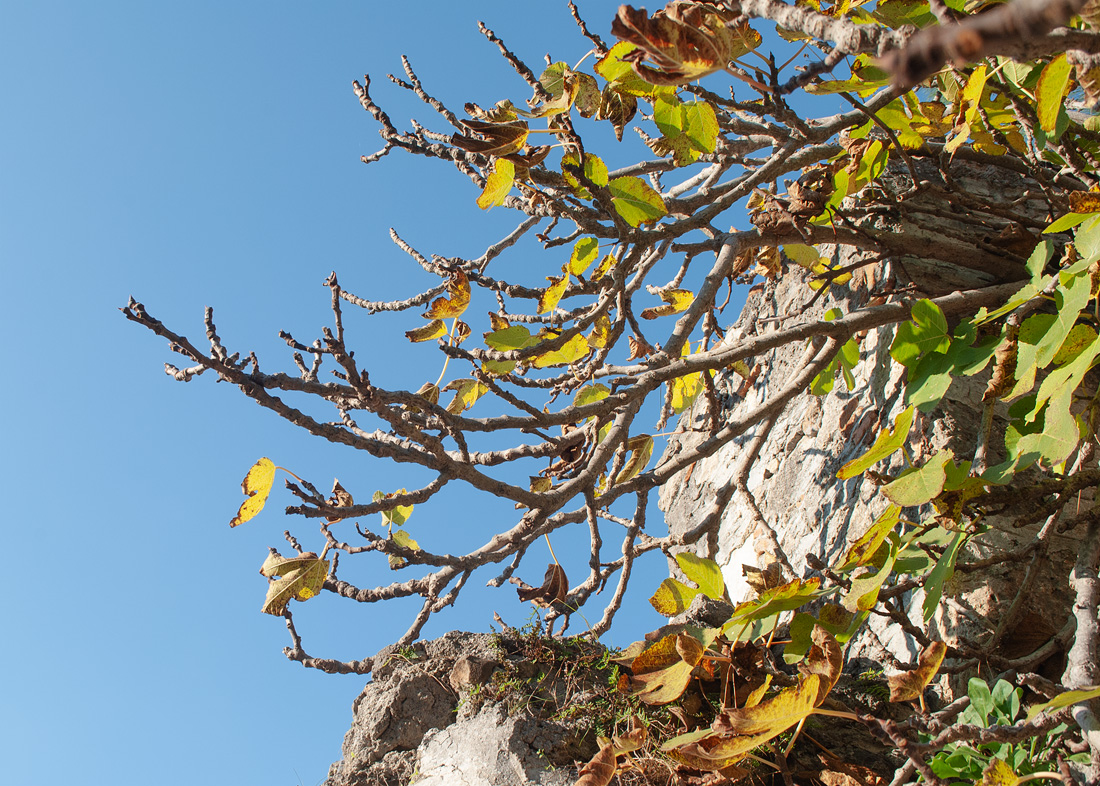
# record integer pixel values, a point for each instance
(444, 713)
(795, 505)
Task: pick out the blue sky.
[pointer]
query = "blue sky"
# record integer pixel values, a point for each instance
(196, 154)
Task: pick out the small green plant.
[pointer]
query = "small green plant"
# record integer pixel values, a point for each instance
(965, 763)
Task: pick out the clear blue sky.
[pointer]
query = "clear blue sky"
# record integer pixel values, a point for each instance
(195, 154)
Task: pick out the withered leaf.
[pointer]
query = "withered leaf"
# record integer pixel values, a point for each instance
(662, 672)
(825, 659)
(618, 107)
(762, 580)
(257, 485)
(684, 40)
(458, 289)
(599, 770)
(497, 139)
(340, 498)
(298, 578)
(434, 329)
(554, 589)
(911, 684)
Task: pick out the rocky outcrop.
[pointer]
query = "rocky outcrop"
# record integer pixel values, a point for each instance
(467, 709)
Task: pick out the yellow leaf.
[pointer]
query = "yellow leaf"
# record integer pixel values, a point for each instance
(498, 184)
(1084, 202)
(584, 254)
(467, 391)
(298, 578)
(548, 301)
(401, 538)
(573, 350)
(968, 108)
(433, 329)
(257, 485)
(1050, 91)
(775, 715)
(458, 288)
(603, 267)
(998, 773)
(601, 332)
(676, 300)
(641, 448)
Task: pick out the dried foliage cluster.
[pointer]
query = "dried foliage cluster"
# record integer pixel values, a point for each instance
(931, 86)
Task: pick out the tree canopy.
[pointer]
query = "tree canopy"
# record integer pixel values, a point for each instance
(556, 399)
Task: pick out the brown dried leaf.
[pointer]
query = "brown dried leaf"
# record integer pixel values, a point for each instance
(554, 589)
(599, 770)
(910, 685)
(684, 40)
(340, 498)
(763, 580)
(497, 139)
(825, 659)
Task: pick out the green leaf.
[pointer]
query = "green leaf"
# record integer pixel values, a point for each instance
(591, 394)
(927, 332)
(704, 572)
(594, 169)
(887, 443)
(700, 125)
(1087, 239)
(863, 593)
(944, 570)
(1051, 90)
(640, 448)
(1068, 221)
(396, 516)
(1063, 700)
(917, 486)
(509, 338)
(861, 552)
(635, 201)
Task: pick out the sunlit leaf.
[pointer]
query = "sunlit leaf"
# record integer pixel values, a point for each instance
(434, 329)
(498, 184)
(510, 338)
(404, 540)
(584, 254)
(548, 301)
(397, 515)
(662, 671)
(493, 139)
(467, 391)
(864, 548)
(704, 572)
(909, 685)
(599, 770)
(888, 442)
(601, 332)
(257, 485)
(942, 572)
(594, 169)
(1050, 91)
(298, 578)
(1064, 699)
(640, 449)
(458, 291)
(672, 597)
(676, 300)
(590, 394)
(635, 201)
(917, 486)
(573, 350)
